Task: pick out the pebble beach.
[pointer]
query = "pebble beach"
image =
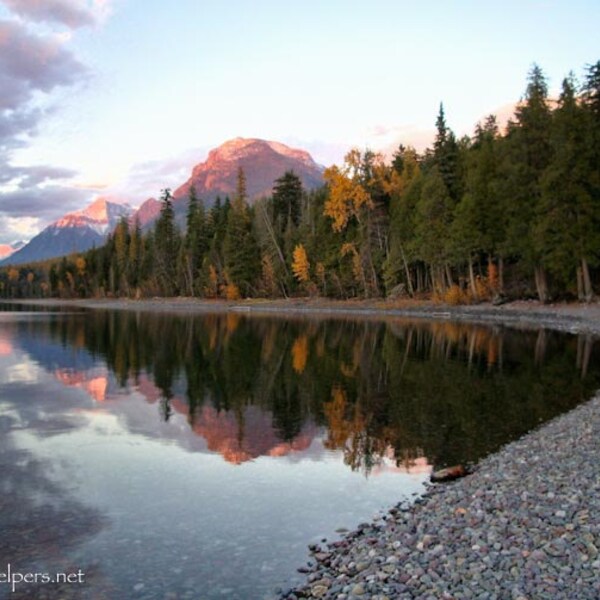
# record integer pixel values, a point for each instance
(525, 525)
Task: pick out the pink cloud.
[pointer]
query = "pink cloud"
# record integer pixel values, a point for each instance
(72, 13)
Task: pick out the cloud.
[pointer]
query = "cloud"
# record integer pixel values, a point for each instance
(47, 203)
(72, 13)
(386, 139)
(148, 178)
(31, 64)
(25, 177)
(17, 228)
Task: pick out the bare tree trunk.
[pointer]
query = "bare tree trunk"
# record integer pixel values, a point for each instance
(588, 291)
(580, 292)
(587, 352)
(500, 351)
(189, 275)
(274, 239)
(409, 284)
(472, 340)
(449, 275)
(580, 342)
(472, 280)
(541, 284)
(540, 347)
(500, 275)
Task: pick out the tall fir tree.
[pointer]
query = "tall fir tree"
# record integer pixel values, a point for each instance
(166, 246)
(567, 233)
(527, 154)
(287, 199)
(240, 248)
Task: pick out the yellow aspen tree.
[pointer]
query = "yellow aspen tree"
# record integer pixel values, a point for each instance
(346, 196)
(300, 264)
(300, 354)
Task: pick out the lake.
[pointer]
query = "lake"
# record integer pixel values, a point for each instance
(170, 457)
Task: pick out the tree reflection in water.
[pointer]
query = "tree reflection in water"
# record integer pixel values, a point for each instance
(400, 389)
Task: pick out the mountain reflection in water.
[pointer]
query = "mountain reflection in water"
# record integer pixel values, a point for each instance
(398, 394)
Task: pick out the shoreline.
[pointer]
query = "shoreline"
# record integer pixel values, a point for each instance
(523, 525)
(573, 318)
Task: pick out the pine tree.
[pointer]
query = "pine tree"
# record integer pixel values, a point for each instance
(240, 248)
(287, 197)
(404, 190)
(196, 241)
(527, 153)
(166, 246)
(432, 221)
(566, 234)
(446, 156)
(121, 242)
(478, 225)
(135, 256)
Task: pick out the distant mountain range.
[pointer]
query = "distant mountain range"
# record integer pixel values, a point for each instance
(263, 162)
(7, 250)
(75, 232)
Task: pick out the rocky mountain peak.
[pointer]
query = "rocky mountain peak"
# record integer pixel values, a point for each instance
(263, 162)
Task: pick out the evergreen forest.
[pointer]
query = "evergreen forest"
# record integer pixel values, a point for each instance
(511, 212)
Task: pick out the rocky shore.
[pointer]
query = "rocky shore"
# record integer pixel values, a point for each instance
(524, 526)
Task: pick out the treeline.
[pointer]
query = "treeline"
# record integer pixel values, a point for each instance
(498, 214)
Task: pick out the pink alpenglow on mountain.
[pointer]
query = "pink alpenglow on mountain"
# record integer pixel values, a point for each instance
(263, 162)
(101, 216)
(146, 214)
(5, 250)
(75, 232)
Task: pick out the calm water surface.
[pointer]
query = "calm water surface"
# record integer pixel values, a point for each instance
(173, 457)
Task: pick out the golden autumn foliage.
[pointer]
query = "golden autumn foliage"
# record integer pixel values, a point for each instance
(300, 264)
(339, 428)
(492, 277)
(454, 295)
(231, 291)
(80, 265)
(300, 354)
(212, 288)
(347, 194)
(232, 322)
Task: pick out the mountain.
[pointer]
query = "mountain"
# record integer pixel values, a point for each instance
(146, 214)
(263, 162)
(75, 232)
(7, 249)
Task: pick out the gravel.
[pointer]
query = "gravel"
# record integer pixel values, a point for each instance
(524, 526)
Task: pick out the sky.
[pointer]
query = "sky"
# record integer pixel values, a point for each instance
(121, 98)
